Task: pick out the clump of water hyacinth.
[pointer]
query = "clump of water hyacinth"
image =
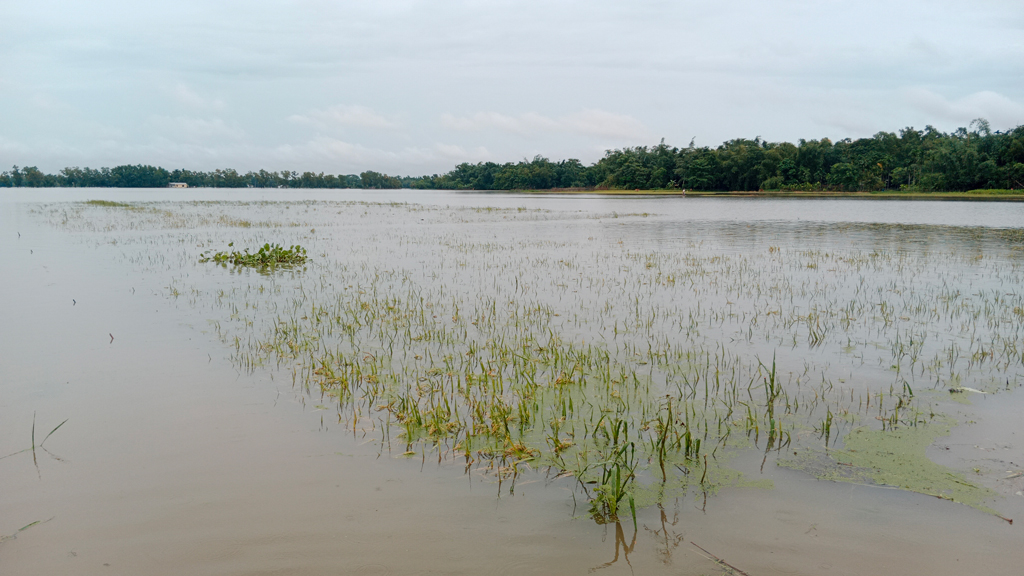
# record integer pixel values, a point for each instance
(269, 255)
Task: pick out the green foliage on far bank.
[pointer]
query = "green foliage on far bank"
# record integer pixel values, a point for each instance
(994, 192)
(974, 159)
(142, 176)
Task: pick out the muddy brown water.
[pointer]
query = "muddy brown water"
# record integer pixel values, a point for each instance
(174, 461)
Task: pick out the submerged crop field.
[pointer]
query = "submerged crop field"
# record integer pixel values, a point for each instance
(633, 359)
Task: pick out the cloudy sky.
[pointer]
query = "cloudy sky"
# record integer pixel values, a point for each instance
(415, 87)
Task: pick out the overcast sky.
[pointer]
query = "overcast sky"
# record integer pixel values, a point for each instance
(415, 87)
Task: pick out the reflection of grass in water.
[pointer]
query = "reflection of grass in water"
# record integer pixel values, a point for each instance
(894, 458)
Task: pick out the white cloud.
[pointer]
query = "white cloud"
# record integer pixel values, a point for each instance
(10, 147)
(185, 95)
(589, 122)
(600, 123)
(48, 104)
(522, 78)
(483, 121)
(341, 115)
(349, 157)
(996, 108)
(458, 153)
(195, 129)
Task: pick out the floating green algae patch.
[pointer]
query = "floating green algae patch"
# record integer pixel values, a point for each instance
(893, 458)
(695, 480)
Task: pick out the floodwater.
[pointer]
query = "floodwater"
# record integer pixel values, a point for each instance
(186, 451)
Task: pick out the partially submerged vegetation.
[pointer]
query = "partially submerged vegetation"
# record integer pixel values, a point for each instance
(268, 256)
(33, 448)
(107, 204)
(639, 372)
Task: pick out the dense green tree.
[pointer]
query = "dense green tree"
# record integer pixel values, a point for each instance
(32, 177)
(697, 169)
(377, 180)
(16, 177)
(139, 177)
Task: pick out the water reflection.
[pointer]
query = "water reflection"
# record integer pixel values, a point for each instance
(666, 537)
(620, 545)
(945, 213)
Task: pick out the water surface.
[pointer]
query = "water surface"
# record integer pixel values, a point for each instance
(176, 458)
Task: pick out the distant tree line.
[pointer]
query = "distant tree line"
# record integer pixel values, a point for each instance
(913, 160)
(142, 176)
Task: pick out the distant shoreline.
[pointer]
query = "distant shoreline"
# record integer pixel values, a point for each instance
(979, 196)
(970, 196)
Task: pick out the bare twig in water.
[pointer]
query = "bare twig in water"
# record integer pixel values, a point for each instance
(720, 561)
